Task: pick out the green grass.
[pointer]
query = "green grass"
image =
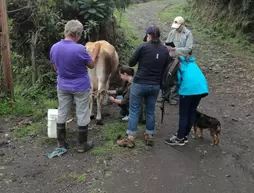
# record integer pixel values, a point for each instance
(169, 13)
(78, 177)
(28, 131)
(35, 110)
(111, 132)
(27, 107)
(130, 34)
(127, 38)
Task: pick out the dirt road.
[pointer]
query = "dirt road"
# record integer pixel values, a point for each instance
(197, 167)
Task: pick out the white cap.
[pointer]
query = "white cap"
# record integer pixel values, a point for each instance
(178, 21)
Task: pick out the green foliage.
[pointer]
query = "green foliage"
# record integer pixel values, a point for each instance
(36, 25)
(232, 18)
(126, 38)
(19, 107)
(45, 86)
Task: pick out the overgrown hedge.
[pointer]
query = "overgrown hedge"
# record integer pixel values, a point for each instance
(232, 17)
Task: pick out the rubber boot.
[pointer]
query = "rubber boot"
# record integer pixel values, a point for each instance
(84, 145)
(61, 134)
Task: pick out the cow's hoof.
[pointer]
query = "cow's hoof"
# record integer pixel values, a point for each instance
(92, 117)
(99, 122)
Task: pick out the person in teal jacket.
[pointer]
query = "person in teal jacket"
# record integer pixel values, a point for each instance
(192, 88)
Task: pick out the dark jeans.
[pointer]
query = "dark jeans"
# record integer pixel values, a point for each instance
(139, 92)
(187, 114)
(124, 108)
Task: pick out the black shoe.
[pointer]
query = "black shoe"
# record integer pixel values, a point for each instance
(175, 141)
(85, 147)
(185, 138)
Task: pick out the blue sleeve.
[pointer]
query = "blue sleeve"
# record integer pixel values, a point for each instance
(51, 55)
(181, 70)
(179, 79)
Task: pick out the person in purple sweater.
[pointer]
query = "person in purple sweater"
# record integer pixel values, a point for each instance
(71, 60)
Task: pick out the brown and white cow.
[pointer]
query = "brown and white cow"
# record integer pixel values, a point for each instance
(106, 66)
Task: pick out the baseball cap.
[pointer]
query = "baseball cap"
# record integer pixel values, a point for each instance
(177, 22)
(149, 30)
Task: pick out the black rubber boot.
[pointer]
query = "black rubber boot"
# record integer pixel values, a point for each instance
(84, 145)
(61, 134)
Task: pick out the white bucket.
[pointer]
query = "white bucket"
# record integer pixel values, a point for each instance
(52, 120)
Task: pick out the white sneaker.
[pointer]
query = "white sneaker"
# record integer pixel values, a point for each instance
(126, 118)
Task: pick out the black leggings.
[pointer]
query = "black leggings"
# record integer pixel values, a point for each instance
(187, 114)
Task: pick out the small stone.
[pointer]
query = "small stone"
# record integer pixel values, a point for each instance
(228, 175)
(233, 119)
(108, 174)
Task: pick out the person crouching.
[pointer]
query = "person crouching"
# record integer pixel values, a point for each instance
(123, 93)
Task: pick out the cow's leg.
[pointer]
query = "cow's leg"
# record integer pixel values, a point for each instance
(91, 104)
(100, 95)
(93, 79)
(106, 97)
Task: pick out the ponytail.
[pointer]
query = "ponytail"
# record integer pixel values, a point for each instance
(156, 35)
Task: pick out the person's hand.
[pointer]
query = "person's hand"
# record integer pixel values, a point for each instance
(111, 99)
(171, 48)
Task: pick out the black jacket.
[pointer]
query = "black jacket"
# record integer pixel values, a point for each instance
(151, 59)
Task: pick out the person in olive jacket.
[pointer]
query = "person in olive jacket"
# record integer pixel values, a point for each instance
(123, 93)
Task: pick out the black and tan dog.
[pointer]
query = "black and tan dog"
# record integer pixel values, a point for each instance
(206, 122)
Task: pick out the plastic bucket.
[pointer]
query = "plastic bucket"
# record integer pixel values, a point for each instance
(52, 120)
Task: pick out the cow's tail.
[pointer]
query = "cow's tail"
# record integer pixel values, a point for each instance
(115, 64)
(96, 50)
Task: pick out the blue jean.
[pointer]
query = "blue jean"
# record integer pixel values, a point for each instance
(187, 114)
(149, 93)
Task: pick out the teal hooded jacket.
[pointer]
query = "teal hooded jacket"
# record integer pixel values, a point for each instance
(191, 80)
